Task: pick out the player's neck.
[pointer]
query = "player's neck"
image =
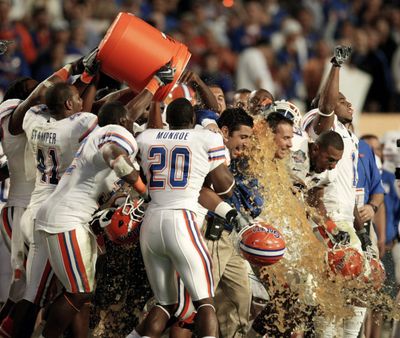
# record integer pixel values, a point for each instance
(178, 127)
(59, 115)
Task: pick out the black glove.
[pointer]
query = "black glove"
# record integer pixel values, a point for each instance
(100, 220)
(91, 63)
(4, 45)
(364, 239)
(341, 55)
(236, 219)
(165, 74)
(77, 66)
(342, 237)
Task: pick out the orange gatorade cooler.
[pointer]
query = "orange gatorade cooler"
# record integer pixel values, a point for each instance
(132, 51)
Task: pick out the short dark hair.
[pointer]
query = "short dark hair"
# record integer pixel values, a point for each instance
(56, 95)
(369, 137)
(275, 119)
(18, 89)
(330, 138)
(242, 91)
(180, 113)
(214, 85)
(111, 113)
(233, 118)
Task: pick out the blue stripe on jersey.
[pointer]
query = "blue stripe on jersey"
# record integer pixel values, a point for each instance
(118, 139)
(213, 150)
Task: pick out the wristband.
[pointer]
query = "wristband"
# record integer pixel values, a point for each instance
(325, 115)
(227, 190)
(222, 209)
(86, 77)
(121, 166)
(63, 73)
(153, 85)
(139, 186)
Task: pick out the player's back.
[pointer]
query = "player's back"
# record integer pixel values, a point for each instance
(76, 197)
(54, 144)
(176, 162)
(20, 165)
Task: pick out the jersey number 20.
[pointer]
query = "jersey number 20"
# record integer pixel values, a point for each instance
(169, 166)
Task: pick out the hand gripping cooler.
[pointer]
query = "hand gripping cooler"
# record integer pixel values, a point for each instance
(132, 51)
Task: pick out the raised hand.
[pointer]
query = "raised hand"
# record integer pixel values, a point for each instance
(341, 55)
(4, 45)
(165, 74)
(91, 63)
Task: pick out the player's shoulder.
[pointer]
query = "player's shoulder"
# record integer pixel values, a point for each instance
(82, 117)
(35, 114)
(147, 135)
(10, 103)
(117, 134)
(116, 131)
(210, 137)
(36, 111)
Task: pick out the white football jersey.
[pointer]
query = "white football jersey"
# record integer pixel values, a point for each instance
(176, 162)
(54, 144)
(20, 165)
(300, 166)
(75, 199)
(339, 197)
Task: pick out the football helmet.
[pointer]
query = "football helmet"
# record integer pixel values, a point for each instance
(345, 261)
(181, 90)
(261, 244)
(125, 222)
(289, 110)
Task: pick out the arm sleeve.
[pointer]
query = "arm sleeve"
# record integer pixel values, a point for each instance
(120, 136)
(215, 150)
(87, 123)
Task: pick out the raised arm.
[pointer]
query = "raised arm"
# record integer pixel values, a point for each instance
(140, 102)
(330, 92)
(36, 97)
(207, 97)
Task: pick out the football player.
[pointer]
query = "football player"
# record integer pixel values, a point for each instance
(334, 112)
(176, 162)
(20, 96)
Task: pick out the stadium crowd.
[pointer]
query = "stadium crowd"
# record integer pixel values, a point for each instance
(123, 216)
(295, 37)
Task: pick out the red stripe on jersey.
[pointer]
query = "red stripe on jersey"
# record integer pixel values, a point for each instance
(6, 222)
(199, 251)
(216, 149)
(67, 264)
(43, 282)
(121, 137)
(87, 132)
(78, 259)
